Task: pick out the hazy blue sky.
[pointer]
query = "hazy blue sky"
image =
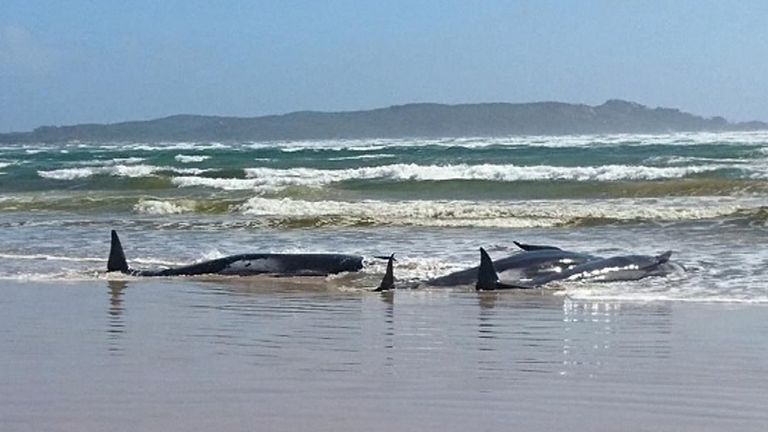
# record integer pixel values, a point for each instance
(73, 61)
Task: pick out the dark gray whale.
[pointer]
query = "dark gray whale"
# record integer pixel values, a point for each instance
(523, 265)
(618, 268)
(245, 264)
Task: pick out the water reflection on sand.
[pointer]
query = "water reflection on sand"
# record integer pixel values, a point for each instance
(234, 354)
(116, 324)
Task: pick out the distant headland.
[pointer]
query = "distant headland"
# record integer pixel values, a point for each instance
(401, 121)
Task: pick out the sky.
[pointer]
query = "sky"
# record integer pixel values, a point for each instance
(103, 61)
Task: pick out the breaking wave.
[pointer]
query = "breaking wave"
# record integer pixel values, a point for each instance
(528, 214)
(219, 183)
(270, 179)
(360, 157)
(131, 171)
(156, 207)
(302, 212)
(502, 173)
(191, 158)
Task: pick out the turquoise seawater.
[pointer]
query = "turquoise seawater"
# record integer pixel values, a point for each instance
(434, 202)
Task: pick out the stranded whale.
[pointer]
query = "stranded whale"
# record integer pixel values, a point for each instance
(245, 264)
(528, 264)
(618, 268)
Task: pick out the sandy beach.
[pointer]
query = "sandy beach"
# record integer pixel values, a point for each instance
(242, 355)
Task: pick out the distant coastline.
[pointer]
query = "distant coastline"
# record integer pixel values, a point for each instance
(401, 121)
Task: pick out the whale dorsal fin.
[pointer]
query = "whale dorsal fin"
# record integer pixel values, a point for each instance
(487, 278)
(116, 260)
(388, 281)
(530, 247)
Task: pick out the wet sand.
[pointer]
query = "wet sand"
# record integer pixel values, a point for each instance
(239, 355)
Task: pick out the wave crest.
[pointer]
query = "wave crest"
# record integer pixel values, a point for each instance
(289, 212)
(271, 179)
(130, 171)
(191, 158)
(156, 207)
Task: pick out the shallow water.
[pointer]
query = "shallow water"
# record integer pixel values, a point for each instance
(271, 355)
(726, 260)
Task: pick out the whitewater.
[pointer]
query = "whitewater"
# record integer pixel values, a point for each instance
(433, 201)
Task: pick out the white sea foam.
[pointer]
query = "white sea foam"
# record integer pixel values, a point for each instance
(414, 268)
(365, 156)
(191, 158)
(108, 162)
(563, 141)
(84, 267)
(221, 183)
(419, 213)
(523, 214)
(42, 257)
(683, 160)
(271, 178)
(475, 172)
(754, 138)
(131, 171)
(67, 173)
(157, 207)
(172, 146)
(673, 288)
(364, 148)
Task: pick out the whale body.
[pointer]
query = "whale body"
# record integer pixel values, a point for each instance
(618, 268)
(524, 265)
(245, 264)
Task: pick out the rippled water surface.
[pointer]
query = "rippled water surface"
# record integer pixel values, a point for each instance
(245, 355)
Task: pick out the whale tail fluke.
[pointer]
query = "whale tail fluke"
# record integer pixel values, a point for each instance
(388, 281)
(116, 260)
(658, 260)
(661, 259)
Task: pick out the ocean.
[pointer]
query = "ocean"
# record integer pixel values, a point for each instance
(84, 350)
(433, 202)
